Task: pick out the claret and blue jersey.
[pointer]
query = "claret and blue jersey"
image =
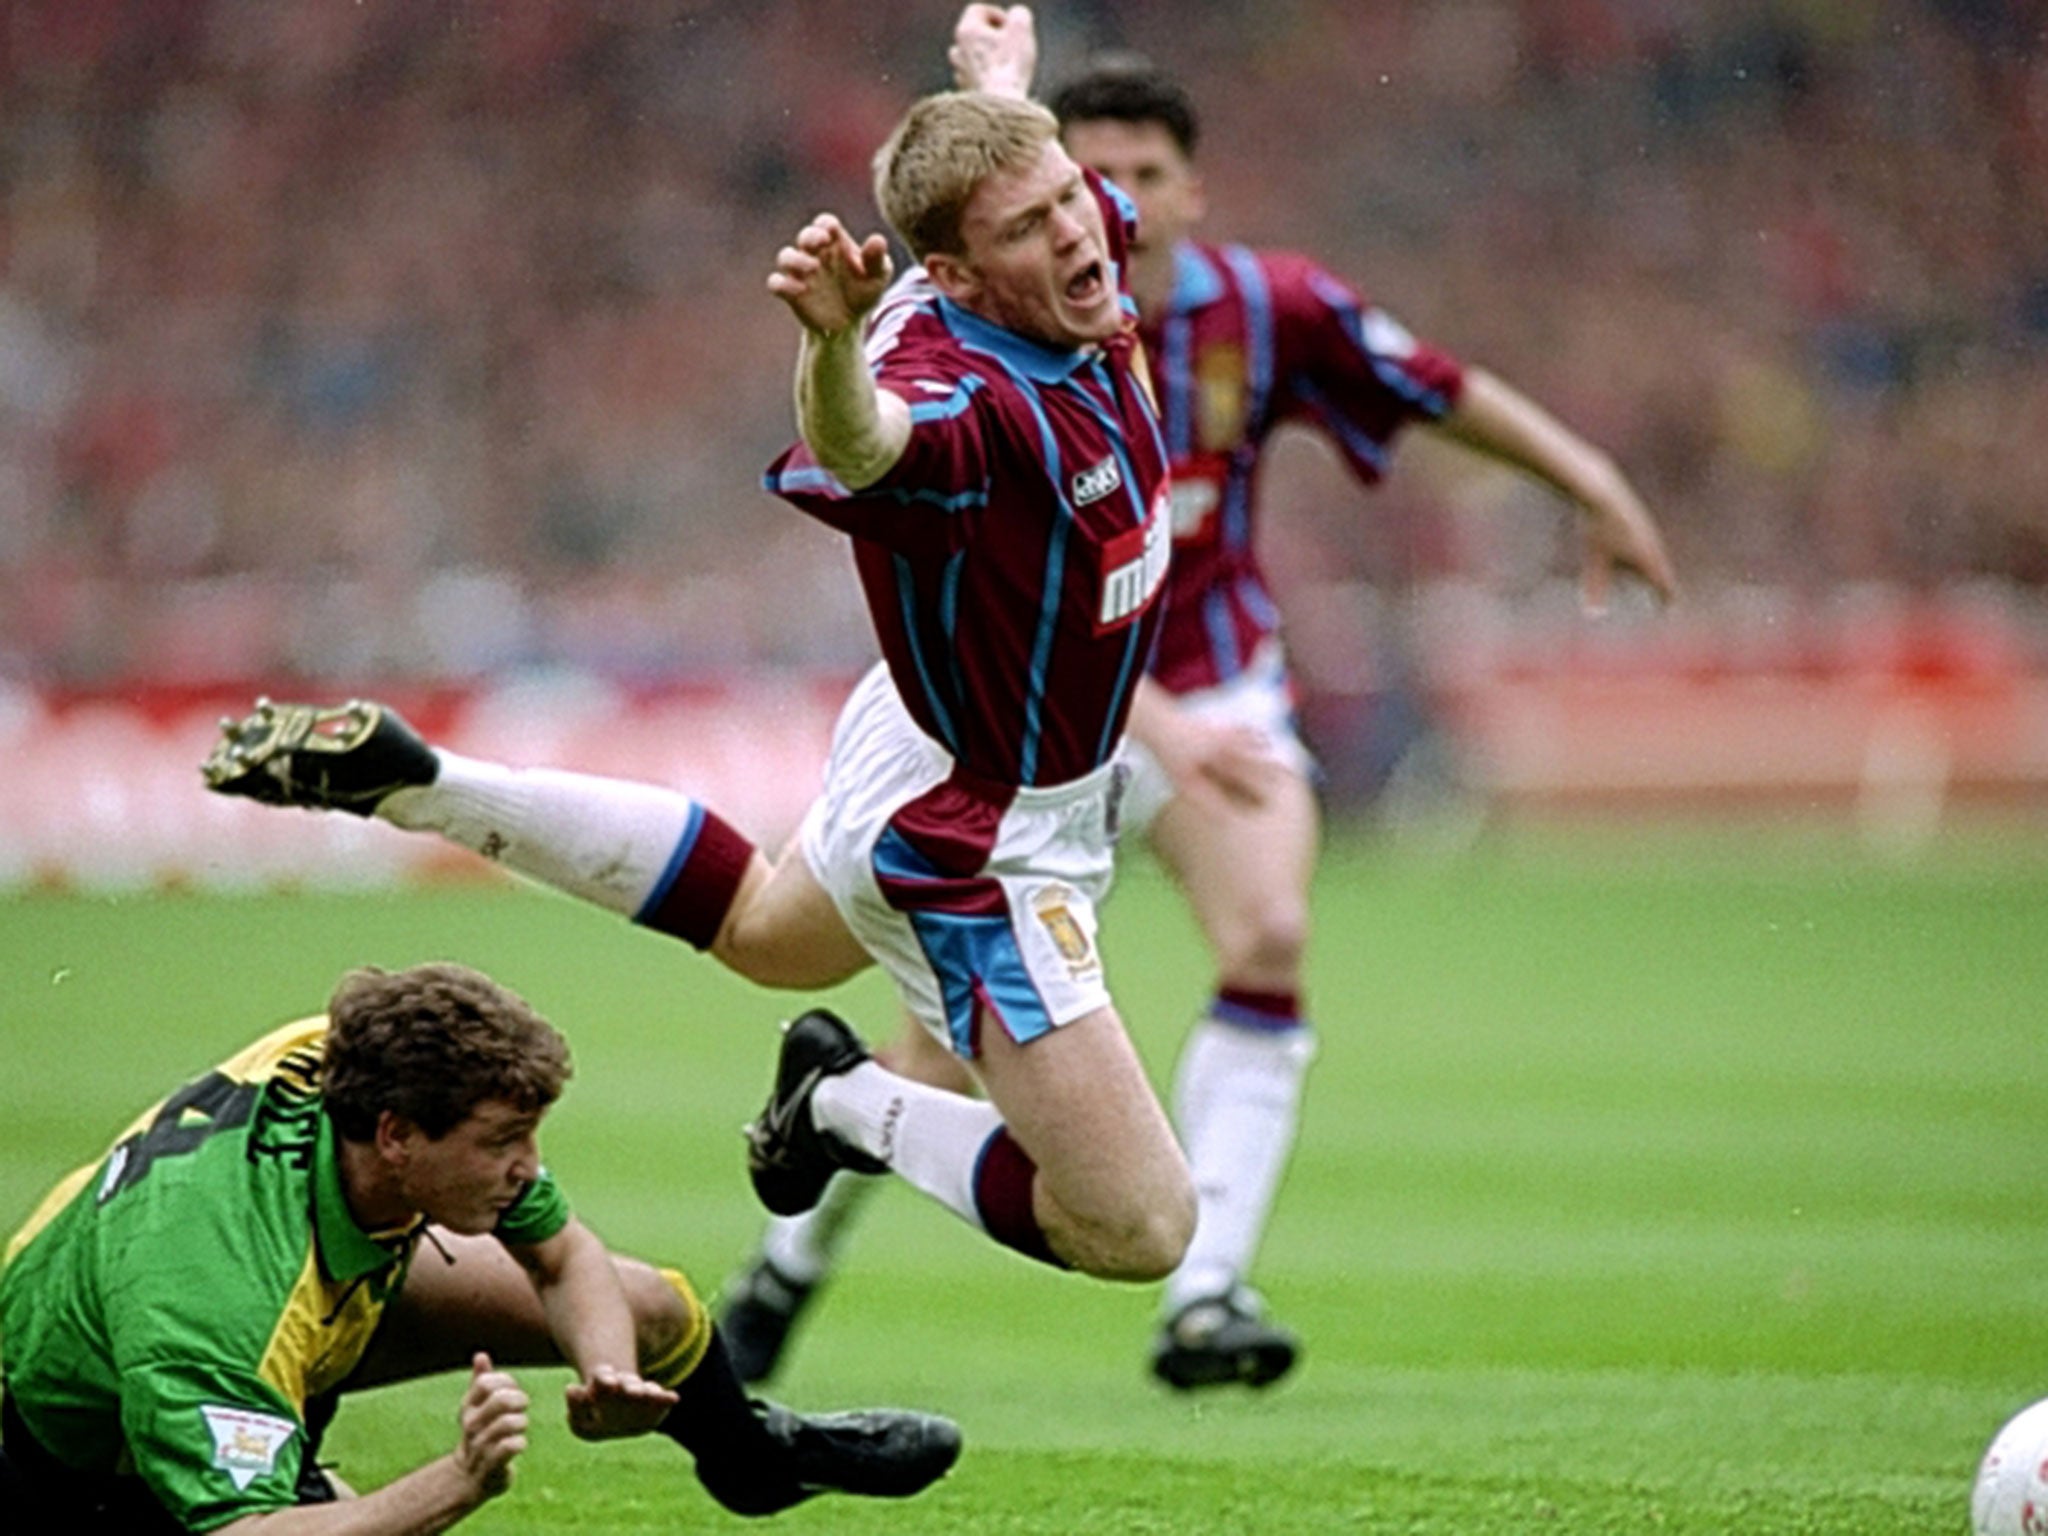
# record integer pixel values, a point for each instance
(1013, 559)
(1250, 341)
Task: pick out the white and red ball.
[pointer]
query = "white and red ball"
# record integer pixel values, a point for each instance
(2011, 1495)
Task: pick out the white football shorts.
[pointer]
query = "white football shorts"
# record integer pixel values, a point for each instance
(977, 910)
(1261, 697)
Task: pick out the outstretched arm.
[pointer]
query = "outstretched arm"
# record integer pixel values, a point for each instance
(592, 1322)
(995, 49)
(830, 282)
(1503, 423)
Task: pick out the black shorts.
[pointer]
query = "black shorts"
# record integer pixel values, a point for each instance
(40, 1496)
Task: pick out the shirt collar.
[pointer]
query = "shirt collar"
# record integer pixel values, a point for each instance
(1195, 282)
(347, 1252)
(1034, 359)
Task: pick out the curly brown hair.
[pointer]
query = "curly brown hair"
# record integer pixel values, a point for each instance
(432, 1043)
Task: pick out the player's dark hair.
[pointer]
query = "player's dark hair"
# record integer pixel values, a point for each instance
(1128, 88)
(433, 1043)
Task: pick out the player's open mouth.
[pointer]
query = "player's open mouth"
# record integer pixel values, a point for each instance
(1086, 285)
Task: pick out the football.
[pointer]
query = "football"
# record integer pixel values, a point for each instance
(2011, 1496)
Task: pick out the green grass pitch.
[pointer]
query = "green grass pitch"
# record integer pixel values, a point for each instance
(1687, 1187)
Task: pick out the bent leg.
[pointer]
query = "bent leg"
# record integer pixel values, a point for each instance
(1070, 1160)
(1246, 873)
(783, 930)
(1111, 1190)
(802, 1250)
(648, 853)
(762, 1303)
(753, 1458)
(484, 1300)
(1238, 1084)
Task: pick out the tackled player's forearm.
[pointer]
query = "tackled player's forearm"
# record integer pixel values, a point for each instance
(852, 428)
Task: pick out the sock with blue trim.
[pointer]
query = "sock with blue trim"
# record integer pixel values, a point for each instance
(639, 850)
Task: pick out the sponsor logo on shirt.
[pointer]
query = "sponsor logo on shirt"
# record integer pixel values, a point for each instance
(1096, 482)
(245, 1444)
(1134, 566)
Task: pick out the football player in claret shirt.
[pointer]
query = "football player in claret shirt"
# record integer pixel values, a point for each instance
(995, 459)
(1240, 342)
(181, 1315)
(992, 451)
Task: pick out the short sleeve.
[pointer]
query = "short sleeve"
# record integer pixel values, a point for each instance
(537, 1215)
(915, 508)
(1354, 353)
(212, 1444)
(1347, 363)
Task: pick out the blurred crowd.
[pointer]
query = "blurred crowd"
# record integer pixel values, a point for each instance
(361, 339)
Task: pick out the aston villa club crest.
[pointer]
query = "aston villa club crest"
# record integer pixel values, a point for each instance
(1052, 906)
(1220, 397)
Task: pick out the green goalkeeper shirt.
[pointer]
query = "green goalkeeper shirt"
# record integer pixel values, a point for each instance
(168, 1310)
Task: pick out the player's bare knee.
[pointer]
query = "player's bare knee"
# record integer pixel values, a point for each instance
(1154, 1238)
(1166, 1245)
(1154, 1248)
(739, 949)
(660, 1317)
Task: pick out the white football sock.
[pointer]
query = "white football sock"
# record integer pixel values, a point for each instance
(1237, 1094)
(931, 1138)
(805, 1248)
(608, 841)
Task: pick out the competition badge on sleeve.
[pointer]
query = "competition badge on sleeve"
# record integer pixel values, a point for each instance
(245, 1444)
